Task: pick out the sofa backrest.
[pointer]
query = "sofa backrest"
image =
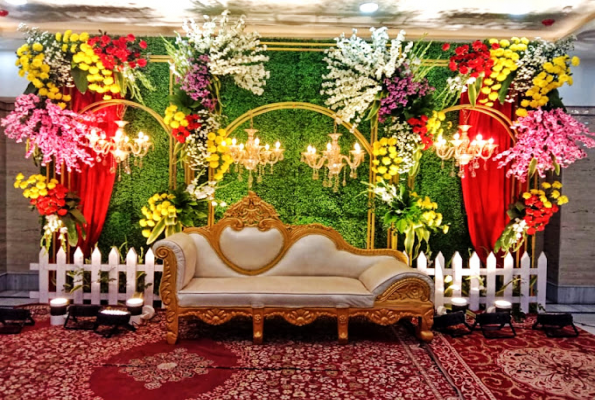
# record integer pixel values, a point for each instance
(252, 240)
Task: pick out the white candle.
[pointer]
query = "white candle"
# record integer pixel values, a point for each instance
(58, 302)
(458, 301)
(134, 302)
(503, 304)
(114, 312)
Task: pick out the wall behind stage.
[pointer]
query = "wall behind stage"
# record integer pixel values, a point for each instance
(295, 76)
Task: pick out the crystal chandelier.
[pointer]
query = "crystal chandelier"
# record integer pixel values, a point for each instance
(465, 151)
(120, 147)
(335, 161)
(252, 156)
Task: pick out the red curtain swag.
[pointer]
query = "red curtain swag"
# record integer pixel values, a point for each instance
(94, 184)
(488, 194)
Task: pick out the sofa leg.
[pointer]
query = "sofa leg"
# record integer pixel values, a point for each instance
(172, 327)
(343, 326)
(257, 326)
(424, 327)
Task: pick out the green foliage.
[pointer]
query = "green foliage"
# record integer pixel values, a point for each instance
(295, 76)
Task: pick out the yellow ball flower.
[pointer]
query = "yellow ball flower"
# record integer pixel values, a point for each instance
(37, 47)
(521, 112)
(146, 233)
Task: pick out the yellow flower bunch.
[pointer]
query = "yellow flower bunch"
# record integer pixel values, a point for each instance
(434, 123)
(554, 74)
(219, 159)
(545, 198)
(34, 186)
(101, 80)
(505, 58)
(387, 163)
(160, 207)
(174, 118)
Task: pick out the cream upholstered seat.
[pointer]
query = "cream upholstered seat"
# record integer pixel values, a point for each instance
(250, 263)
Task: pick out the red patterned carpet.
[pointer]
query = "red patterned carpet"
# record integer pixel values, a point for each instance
(46, 362)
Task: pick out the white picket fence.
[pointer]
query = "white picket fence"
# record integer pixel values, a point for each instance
(488, 275)
(114, 267)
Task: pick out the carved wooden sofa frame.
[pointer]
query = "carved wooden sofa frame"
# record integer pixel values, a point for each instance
(409, 297)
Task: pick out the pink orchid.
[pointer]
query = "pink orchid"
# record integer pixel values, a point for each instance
(549, 137)
(60, 135)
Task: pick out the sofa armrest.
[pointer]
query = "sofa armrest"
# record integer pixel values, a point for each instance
(383, 274)
(183, 247)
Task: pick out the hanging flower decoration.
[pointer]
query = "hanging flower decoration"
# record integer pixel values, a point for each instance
(505, 56)
(546, 141)
(53, 134)
(387, 161)
(101, 64)
(170, 212)
(529, 215)
(219, 157)
(401, 144)
(199, 59)
(57, 205)
(411, 215)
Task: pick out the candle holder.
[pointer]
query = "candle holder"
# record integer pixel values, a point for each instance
(459, 304)
(503, 306)
(58, 307)
(489, 323)
(87, 311)
(452, 324)
(135, 308)
(14, 319)
(114, 320)
(553, 324)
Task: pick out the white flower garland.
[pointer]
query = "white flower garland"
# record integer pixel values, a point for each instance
(357, 70)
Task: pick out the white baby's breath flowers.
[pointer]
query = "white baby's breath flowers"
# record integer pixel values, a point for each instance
(357, 70)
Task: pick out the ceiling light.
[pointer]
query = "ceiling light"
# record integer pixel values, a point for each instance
(16, 2)
(368, 7)
(521, 9)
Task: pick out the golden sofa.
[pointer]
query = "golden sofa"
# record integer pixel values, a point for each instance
(251, 264)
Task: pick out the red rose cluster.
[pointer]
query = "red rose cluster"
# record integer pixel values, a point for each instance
(537, 215)
(181, 133)
(474, 60)
(52, 203)
(115, 53)
(420, 127)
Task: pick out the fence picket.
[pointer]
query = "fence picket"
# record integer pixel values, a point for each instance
(60, 272)
(114, 276)
(95, 268)
(422, 263)
(474, 282)
(439, 281)
(149, 277)
(457, 275)
(79, 265)
(491, 280)
(131, 263)
(508, 266)
(44, 276)
(525, 281)
(541, 281)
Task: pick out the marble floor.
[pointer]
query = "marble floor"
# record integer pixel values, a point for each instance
(583, 314)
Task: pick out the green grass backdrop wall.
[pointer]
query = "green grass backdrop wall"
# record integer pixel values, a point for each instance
(295, 76)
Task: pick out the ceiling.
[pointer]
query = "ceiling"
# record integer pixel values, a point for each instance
(440, 19)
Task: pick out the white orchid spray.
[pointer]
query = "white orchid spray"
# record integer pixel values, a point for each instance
(357, 70)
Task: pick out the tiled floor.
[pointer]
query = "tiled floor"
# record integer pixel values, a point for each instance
(583, 314)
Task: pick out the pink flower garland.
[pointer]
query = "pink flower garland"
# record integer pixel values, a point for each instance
(60, 135)
(547, 136)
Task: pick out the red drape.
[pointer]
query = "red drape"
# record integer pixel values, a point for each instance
(488, 194)
(94, 184)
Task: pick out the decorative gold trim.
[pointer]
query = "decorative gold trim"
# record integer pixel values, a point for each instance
(406, 289)
(167, 291)
(253, 211)
(496, 114)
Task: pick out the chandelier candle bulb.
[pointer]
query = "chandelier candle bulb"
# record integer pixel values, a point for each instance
(58, 308)
(459, 304)
(503, 306)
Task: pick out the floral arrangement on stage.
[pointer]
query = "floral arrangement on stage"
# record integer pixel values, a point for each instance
(366, 80)
(170, 212)
(52, 133)
(200, 58)
(546, 141)
(57, 206)
(101, 64)
(530, 215)
(410, 214)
